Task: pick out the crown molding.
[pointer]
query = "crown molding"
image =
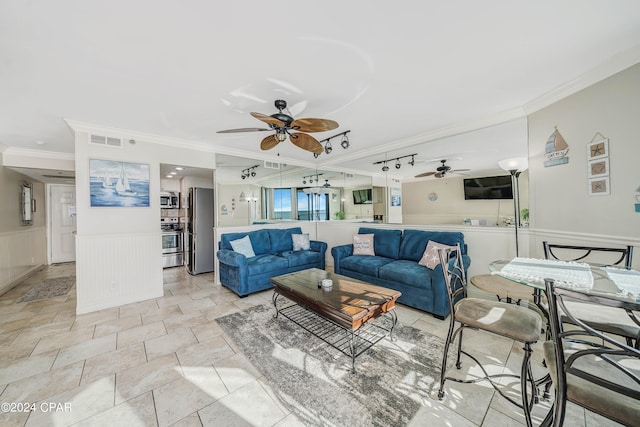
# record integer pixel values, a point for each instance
(617, 63)
(41, 154)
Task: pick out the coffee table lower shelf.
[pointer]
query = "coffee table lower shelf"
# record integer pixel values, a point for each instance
(351, 343)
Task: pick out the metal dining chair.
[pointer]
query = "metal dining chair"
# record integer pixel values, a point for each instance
(587, 366)
(603, 318)
(500, 318)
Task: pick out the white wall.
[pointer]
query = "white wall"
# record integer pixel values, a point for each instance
(22, 248)
(558, 195)
(119, 250)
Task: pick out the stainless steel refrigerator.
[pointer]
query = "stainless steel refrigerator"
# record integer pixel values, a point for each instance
(200, 231)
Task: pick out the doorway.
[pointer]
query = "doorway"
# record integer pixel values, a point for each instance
(62, 223)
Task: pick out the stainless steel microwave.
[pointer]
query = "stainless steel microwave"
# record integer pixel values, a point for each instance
(169, 200)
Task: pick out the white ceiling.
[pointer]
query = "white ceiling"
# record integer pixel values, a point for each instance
(399, 75)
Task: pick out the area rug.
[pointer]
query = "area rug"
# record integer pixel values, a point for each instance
(49, 288)
(315, 381)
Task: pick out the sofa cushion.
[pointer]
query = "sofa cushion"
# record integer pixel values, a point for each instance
(414, 242)
(431, 257)
(259, 241)
(264, 263)
(281, 238)
(301, 242)
(365, 264)
(243, 246)
(363, 244)
(386, 243)
(298, 258)
(407, 272)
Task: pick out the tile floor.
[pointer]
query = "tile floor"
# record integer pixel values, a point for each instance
(166, 362)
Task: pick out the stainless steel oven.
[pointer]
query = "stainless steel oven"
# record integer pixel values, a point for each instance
(172, 243)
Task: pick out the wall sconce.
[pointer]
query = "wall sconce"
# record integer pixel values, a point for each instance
(397, 160)
(344, 143)
(249, 172)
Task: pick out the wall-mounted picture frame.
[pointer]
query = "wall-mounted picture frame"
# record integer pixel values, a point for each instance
(396, 199)
(598, 149)
(598, 168)
(118, 184)
(599, 186)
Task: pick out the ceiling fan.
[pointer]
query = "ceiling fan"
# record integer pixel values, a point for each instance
(285, 125)
(441, 171)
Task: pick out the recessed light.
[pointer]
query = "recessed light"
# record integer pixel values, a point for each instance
(179, 168)
(169, 176)
(39, 142)
(173, 173)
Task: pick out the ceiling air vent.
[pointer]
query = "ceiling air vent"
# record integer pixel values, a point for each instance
(271, 165)
(105, 140)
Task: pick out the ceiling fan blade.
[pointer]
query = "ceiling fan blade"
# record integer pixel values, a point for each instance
(243, 130)
(268, 119)
(269, 142)
(306, 142)
(439, 175)
(313, 125)
(422, 175)
(460, 170)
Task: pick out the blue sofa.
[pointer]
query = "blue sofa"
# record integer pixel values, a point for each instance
(274, 256)
(395, 266)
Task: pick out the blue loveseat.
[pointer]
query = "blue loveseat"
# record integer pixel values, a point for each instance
(395, 265)
(274, 252)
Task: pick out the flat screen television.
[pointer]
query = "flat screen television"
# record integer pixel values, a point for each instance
(362, 197)
(488, 187)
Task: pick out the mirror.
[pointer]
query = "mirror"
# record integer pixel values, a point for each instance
(26, 203)
(286, 193)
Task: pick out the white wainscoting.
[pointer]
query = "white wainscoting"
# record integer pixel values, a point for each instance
(21, 253)
(114, 270)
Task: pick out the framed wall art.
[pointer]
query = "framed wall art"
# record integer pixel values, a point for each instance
(598, 168)
(598, 149)
(599, 186)
(118, 184)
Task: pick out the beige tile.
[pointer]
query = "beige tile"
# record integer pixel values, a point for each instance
(13, 418)
(192, 420)
(161, 314)
(221, 309)
(204, 353)
(145, 377)
(47, 384)
(169, 343)
(236, 371)
(172, 300)
(138, 308)
(96, 317)
(137, 412)
(196, 305)
(185, 321)
(113, 362)
(7, 338)
(76, 404)
(200, 387)
(249, 405)
(140, 334)
(9, 354)
(27, 366)
(206, 331)
(85, 350)
(38, 321)
(433, 413)
(121, 324)
(64, 339)
(290, 421)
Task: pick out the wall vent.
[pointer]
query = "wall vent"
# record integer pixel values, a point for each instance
(105, 141)
(271, 165)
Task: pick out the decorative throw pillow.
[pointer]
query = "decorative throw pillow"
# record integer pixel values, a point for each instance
(430, 258)
(363, 244)
(243, 246)
(301, 242)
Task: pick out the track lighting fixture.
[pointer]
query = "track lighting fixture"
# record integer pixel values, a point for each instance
(246, 173)
(311, 178)
(397, 160)
(344, 143)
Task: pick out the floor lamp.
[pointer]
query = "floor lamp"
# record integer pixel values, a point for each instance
(515, 167)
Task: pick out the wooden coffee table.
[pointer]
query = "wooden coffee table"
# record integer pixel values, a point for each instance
(349, 316)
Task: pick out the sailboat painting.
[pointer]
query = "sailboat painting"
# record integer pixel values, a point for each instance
(118, 184)
(555, 150)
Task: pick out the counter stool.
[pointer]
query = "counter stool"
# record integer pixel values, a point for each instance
(504, 289)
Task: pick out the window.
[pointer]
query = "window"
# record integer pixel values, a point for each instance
(282, 203)
(312, 207)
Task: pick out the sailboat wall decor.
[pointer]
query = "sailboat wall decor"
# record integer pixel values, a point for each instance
(131, 188)
(555, 150)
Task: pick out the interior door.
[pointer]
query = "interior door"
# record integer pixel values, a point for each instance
(62, 223)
